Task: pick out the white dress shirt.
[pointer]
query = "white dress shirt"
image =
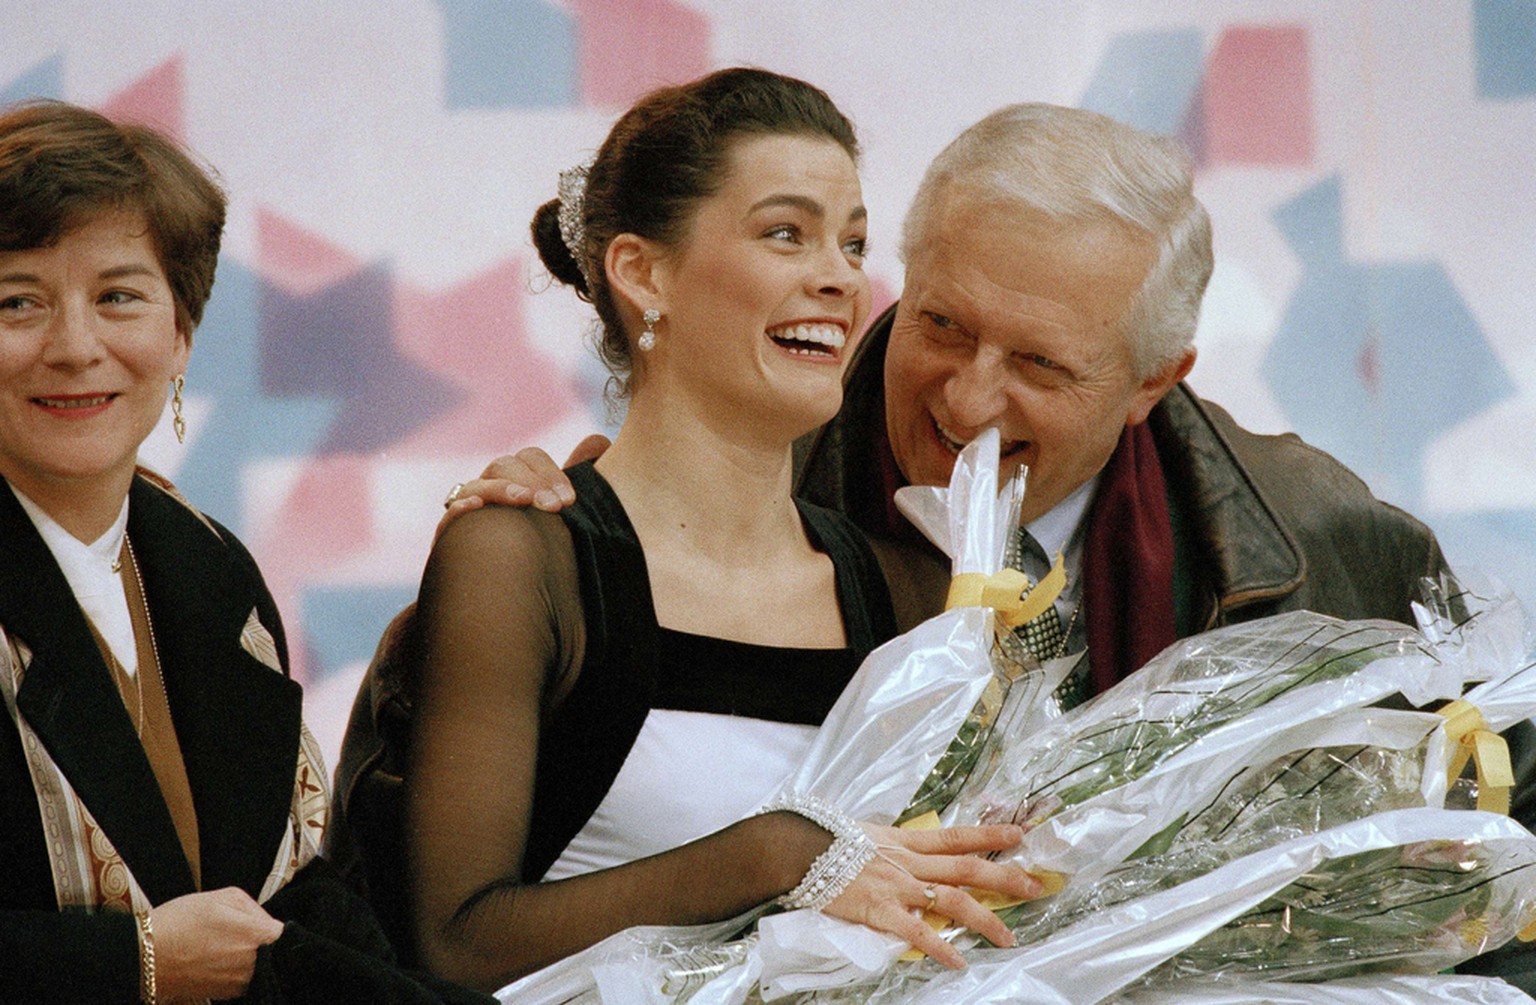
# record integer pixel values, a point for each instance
(88, 570)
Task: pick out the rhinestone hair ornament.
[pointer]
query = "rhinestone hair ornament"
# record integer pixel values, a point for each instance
(573, 232)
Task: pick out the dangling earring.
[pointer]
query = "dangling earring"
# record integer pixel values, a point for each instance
(177, 422)
(647, 340)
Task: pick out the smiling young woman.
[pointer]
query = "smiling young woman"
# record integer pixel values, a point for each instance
(585, 710)
(760, 304)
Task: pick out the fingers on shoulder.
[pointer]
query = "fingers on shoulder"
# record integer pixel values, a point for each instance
(540, 468)
(525, 467)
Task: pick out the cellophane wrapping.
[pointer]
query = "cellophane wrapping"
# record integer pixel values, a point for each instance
(916, 712)
(1218, 818)
(1450, 883)
(1378, 989)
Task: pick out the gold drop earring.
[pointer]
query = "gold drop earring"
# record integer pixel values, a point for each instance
(177, 422)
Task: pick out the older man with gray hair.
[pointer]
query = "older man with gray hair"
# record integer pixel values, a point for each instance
(1056, 261)
(1055, 264)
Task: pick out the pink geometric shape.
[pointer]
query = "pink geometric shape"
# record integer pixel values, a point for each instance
(630, 48)
(475, 334)
(298, 260)
(325, 519)
(154, 100)
(1257, 97)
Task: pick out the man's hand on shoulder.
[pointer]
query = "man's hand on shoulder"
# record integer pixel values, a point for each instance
(529, 477)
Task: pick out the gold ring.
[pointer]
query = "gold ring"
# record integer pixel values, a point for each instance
(932, 895)
(453, 495)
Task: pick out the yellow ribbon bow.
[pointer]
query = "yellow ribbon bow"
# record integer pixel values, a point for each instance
(1008, 592)
(1486, 749)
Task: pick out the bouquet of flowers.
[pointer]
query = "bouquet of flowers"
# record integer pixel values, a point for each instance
(1241, 807)
(1411, 890)
(1399, 989)
(1388, 905)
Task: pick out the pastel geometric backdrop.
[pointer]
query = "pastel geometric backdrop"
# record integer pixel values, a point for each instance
(381, 328)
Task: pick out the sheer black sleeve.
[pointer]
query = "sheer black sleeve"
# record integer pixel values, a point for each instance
(501, 638)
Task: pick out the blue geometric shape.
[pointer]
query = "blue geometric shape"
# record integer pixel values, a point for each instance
(342, 624)
(1505, 38)
(1372, 362)
(1149, 79)
(45, 80)
(340, 343)
(1499, 543)
(245, 424)
(1312, 223)
(509, 54)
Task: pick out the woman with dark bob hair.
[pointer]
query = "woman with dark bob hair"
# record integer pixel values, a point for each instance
(161, 804)
(586, 713)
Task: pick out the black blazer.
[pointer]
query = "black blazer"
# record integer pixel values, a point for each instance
(237, 721)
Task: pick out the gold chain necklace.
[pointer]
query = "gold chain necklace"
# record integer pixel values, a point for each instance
(154, 647)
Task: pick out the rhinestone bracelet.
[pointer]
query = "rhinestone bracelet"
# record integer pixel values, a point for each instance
(838, 866)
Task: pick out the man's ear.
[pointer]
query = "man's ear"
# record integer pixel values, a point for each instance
(1158, 384)
(635, 272)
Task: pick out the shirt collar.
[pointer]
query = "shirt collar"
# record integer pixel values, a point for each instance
(1062, 529)
(88, 570)
(78, 559)
(1056, 528)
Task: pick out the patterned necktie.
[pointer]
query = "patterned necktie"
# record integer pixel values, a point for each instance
(1043, 636)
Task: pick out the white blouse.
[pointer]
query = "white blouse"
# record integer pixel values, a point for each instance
(688, 774)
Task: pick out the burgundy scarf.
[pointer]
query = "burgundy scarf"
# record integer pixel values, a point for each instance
(1128, 562)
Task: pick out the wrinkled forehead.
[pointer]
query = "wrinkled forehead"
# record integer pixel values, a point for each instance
(988, 255)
